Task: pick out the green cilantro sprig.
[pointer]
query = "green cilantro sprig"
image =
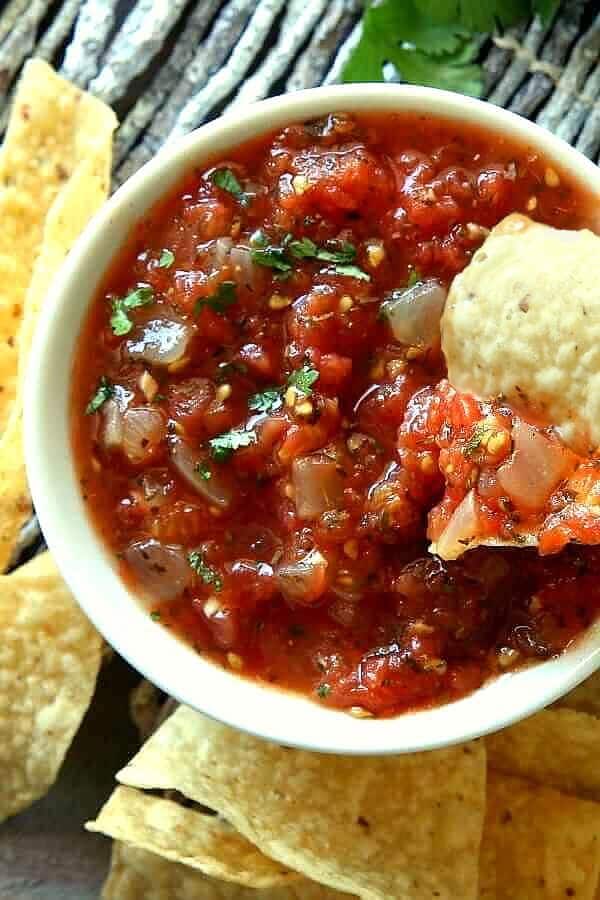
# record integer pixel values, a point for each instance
(166, 259)
(104, 392)
(224, 296)
(121, 306)
(303, 379)
(223, 445)
(281, 257)
(206, 572)
(434, 42)
(268, 400)
(227, 181)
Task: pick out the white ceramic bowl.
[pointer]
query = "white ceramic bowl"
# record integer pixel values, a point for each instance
(85, 563)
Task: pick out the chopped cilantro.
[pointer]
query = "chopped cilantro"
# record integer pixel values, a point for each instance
(223, 445)
(203, 471)
(119, 321)
(303, 248)
(167, 258)
(303, 379)
(306, 249)
(206, 573)
(159, 398)
(104, 392)
(272, 258)
(266, 401)
(323, 691)
(155, 615)
(352, 272)
(223, 297)
(434, 42)
(227, 181)
(281, 257)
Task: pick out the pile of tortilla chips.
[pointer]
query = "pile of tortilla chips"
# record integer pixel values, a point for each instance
(206, 812)
(54, 175)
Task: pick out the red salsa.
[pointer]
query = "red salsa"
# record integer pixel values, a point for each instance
(263, 431)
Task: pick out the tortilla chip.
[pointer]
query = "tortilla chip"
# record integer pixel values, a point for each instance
(538, 844)
(49, 660)
(136, 874)
(189, 836)
(53, 128)
(403, 827)
(557, 747)
(585, 697)
(80, 197)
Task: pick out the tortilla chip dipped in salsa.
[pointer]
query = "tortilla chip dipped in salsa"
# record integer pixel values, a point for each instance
(54, 175)
(49, 659)
(268, 439)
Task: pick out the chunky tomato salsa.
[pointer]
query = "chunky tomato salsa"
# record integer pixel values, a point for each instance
(265, 437)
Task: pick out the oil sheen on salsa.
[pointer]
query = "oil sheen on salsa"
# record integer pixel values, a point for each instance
(249, 397)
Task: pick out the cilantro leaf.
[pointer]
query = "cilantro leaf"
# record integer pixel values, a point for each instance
(475, 15)
(267, 401)
(424, 48)
(323, 690)
(166, 259)
(104, 392)
(271, 257)
(307, 249)
(351, 272)
(303, 379)
(223, 445)
(303, 248)
(203, 470)
(119, 321)
(206, 573)
(223, 297)
(227, 181)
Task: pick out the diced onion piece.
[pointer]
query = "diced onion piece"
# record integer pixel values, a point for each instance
(462, 529)
(243, 270)
(414, 314)
(112, 425)
(143, 430)
(160, 341)
(535, 467)
(318, 485)
(220, 250)
(304, 580)
(216, 490)
(161, 570)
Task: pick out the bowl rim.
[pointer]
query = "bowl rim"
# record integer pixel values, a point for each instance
(118, 614)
